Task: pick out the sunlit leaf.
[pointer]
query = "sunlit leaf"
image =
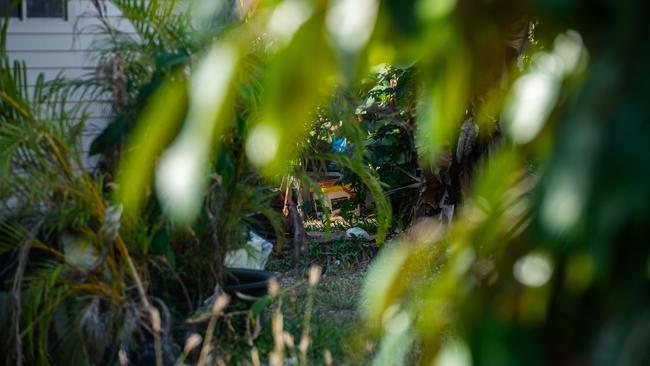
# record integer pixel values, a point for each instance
(182, 172)
(156, 127)
(290, 94)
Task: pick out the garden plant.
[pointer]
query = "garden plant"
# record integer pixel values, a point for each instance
(499, 147)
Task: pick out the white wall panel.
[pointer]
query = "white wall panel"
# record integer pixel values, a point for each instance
(67, 47)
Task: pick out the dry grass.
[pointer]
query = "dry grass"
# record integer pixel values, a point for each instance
(331, 305)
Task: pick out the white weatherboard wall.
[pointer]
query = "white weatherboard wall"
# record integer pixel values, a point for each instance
(66, 46)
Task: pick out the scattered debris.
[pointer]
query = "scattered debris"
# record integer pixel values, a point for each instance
(253, 255)
(357, 232)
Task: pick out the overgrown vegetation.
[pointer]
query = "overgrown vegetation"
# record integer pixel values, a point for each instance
(67, 253)
(502, 141)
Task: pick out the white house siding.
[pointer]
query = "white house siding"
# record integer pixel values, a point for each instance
(68, 47)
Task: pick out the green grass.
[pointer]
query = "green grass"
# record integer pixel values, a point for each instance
(333, 325)
(334, 314)
(332, 256)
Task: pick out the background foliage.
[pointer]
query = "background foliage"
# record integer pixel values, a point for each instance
(531, 115)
